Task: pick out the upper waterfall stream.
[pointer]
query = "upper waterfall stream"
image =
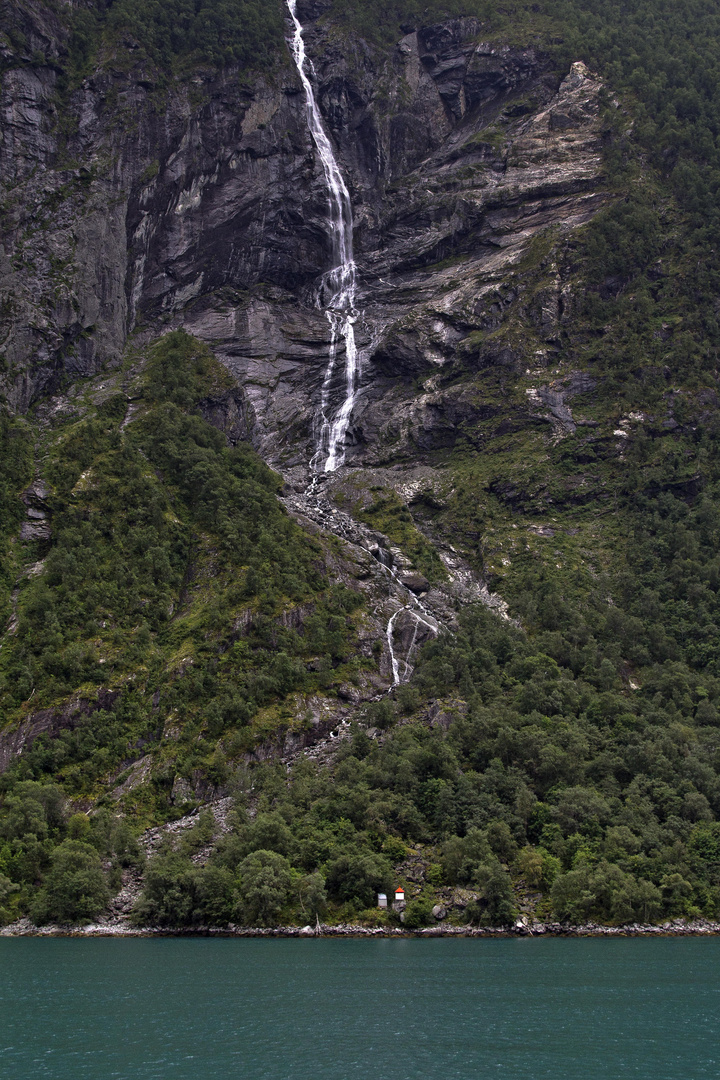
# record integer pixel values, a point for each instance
(337, 293)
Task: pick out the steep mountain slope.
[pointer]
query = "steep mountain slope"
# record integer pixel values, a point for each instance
(533, 434)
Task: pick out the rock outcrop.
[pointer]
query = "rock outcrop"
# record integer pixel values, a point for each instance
(131, 209)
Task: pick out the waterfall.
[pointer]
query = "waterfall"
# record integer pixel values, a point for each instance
(419, 620)
(337, 296)
(337, 291)
(391, 648)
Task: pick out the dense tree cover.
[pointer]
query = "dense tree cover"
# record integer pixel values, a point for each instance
(16, 457)
(167, 576)
(553, 774)
(249, 878)
(666, 54)
(248, 33)
(131, 508)
(601, 797)
(581, 761)
(549, 775)
(604, 805)
(57, 866)
(612, 777)
(581, 757)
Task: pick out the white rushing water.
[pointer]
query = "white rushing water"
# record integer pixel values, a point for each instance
(420, 620)
(337, 294)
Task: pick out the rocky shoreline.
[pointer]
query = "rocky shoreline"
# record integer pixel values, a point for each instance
(673, 928)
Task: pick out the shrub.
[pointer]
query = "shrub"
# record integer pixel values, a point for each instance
(605, 892)
(418, 913)
(494, 905)
(264, 886)
(394, 848)
(357, 878)
(75, 890)
(169, 896)
(530, 865)
(7, 889)
(216, 894)
(462, 855)
(311, 893)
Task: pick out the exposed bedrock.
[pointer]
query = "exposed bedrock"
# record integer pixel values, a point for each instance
(131, 209)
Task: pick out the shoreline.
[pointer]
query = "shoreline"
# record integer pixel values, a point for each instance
(673, 928)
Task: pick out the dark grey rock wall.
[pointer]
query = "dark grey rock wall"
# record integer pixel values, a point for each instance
(131, 208)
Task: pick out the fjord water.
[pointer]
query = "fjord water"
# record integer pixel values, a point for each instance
(287, 1009)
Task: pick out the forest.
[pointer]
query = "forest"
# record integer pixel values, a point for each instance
(578, 757)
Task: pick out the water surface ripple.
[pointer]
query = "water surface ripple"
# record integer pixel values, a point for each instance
(220, 1009)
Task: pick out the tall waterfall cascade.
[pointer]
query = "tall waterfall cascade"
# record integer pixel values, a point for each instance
(337, 296)
(337, 293)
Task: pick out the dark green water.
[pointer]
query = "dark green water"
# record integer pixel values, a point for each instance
(199, 1009)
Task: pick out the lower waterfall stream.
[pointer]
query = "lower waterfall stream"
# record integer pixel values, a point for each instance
(393, 659)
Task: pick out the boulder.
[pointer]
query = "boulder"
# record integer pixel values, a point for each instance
(414, 581)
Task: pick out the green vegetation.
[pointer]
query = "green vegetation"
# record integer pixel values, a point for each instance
(389, 514)
(75, 889)
(582, 763)
(177, 34)
(180, 615)
(16, 456)
(170, 568)
(79, 859)
(552, 777)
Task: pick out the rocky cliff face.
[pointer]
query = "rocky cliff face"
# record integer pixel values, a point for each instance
(128, 208)
(534, 432)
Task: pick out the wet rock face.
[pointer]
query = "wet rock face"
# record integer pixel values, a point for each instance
(206, 208)
(469, 154)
